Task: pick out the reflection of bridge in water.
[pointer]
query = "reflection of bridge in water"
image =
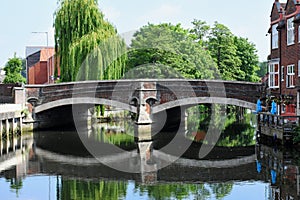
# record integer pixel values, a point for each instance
(42, 160)
(276, 167)
(183, 170)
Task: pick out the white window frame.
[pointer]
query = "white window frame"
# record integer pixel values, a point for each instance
(298, 67)
(282, 73)
(299, 33)
(290, 31)
(273, 75)
(283, 108)
(274, 36)
(290, 76)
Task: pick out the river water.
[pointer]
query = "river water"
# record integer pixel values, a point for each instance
(58, 164)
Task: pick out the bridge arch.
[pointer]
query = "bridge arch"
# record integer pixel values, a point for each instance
(203, 100)
(84, 100)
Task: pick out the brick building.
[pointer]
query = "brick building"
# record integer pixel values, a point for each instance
(40, 65)
(284, 58)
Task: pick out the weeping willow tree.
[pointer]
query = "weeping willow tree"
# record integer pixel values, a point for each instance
(87, 46)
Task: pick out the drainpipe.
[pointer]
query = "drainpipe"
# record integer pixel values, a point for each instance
(280, 70)
(297, 18)
(280, 26)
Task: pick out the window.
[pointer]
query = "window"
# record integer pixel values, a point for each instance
(298, 67)
(299, 33)
(274, 75)
(283, 108)
(290, 31)
(274, 37)
(290, 73)
(282, 73)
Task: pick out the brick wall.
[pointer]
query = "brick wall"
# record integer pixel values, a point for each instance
(6, 92)
(287, 54)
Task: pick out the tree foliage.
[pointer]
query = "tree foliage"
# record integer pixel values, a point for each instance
(85, 42)
(13, 70)
(263, 69)
(92, 190)
(236, 57)
(224, 52)
(249, 60)
(200, 30)
(170, 46)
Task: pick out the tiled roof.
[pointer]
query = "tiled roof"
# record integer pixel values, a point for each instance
(280, 5)
(46, 53)
(39, 55)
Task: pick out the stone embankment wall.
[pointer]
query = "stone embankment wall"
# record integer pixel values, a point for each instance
(10, 119)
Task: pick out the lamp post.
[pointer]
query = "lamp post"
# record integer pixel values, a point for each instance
(43, 33)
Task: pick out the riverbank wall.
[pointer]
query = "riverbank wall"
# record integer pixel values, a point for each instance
(10, 119)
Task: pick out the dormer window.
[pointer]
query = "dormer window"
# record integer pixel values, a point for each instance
(274, 37)
(290, 31)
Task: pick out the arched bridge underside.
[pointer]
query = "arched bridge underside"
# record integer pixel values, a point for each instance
(83, 100)
(144, 97)
(156, 109)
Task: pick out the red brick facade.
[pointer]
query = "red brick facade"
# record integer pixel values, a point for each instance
(284, 58)
(41, 66)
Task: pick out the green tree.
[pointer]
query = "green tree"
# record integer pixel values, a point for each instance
(91, 190)
(172, 46)
(263, 69)
(200, 30)
(224, 52)
(221, 190)
(175, 191)
(16, 185)
(247, 54)
(85, 42)
(13, 70)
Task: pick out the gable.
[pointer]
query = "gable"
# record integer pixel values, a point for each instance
(33, 59)
(290, 7)
(275, 11)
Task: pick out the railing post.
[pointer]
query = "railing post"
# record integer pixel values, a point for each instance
(7, 127)
(1, 128)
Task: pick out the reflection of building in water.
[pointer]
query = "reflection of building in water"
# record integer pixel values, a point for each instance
(14, 160)
(280, 170)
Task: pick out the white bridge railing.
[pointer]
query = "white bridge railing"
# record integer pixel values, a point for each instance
(10, 108)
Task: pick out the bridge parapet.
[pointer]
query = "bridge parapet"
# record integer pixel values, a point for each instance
(146, 97)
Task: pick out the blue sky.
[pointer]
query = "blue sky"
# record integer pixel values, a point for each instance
(19, 18)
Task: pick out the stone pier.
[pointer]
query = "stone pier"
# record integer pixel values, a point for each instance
(10, 119)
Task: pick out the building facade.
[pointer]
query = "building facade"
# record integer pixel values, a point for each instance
(40, 65)
(284, 58)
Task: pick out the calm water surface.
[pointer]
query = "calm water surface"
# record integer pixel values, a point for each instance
(56, 165)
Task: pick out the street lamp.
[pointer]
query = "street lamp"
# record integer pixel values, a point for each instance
(43, 33)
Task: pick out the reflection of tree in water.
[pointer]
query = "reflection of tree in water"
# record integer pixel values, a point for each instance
(220, 190)
(167, 191)
(16, 185)
(89, 190)
(235, 132)
(116, 133)
(185, 191)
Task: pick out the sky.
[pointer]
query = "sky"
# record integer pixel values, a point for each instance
(19, 20)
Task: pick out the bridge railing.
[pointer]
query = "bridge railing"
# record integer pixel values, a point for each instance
(278, 121)
(284, 124)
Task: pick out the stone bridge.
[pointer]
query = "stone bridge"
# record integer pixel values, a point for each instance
(144, 97)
